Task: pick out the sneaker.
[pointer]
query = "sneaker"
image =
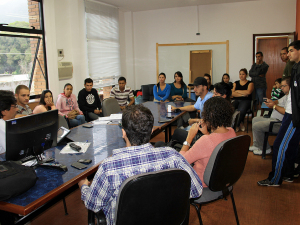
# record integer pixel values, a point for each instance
(259, 151)
(252, 148)
(288, 179)
(237, 129)
(243, 128)
(268, 183)
(296, 174)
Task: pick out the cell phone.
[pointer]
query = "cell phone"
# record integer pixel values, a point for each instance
(265, 99)
(78, 165)
(85, 161)
(87, 126)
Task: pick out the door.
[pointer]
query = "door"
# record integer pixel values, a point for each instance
(200, 63)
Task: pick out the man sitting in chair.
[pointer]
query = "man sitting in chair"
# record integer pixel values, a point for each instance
(261, 124)
(139, 156)
(122, 93)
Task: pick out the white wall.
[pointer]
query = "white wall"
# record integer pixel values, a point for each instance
(140, 31)
(236, 22)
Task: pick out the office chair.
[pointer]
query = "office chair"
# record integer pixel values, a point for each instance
(235, 118)
(267, 134)
(160, 197)
(225, 166)
(110, 106)
(63, 122)
(251, 110)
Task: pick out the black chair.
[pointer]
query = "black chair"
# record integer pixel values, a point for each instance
(267, 134)
(147, 91)
(235, 118)
(160, 197)
(251, 110)
(224, 168)
(110, 106)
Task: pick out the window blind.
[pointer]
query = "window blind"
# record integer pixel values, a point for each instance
(102, 33)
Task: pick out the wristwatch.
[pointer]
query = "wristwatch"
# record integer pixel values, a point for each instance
(186, 143)
(274, 106)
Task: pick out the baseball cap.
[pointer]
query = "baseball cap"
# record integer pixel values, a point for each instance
(199, 81)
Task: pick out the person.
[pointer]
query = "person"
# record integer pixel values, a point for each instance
(161, 90)
(179, 136)
(260, 125)
(286, 144)
(258, 74)
(89, 101)
(67, 106)
(223, 90)
(139, 156)
(276, 92)
(8, 110)
(46, 102)
(22, 95)
(242, 96)
(122, 93)
(215, 127)
(201, 90)
(210, 87)
(226, 79)
(289, 64)
(178, 88)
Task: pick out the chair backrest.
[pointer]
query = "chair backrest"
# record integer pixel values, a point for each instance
(235, 118)
(160, 197)
(62, 122)
(227, 162)
(110, 106)
(147, 91)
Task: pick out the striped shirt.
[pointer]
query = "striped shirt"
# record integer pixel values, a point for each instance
(121, 96)
(127, 162)
(24, 111)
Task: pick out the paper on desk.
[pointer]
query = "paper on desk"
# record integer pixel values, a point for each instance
(117, 116)
(99, 122)
(67, 149)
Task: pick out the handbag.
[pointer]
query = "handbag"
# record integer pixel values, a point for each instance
(15, 179)
(72, 115)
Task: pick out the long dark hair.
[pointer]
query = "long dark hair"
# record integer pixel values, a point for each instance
(181, 82)
(225, 74)
(42, 99)
(158, 81)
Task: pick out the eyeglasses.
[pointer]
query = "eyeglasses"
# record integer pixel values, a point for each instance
(13, 106)
(283, 86)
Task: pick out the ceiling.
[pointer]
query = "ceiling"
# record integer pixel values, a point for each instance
(144, 5)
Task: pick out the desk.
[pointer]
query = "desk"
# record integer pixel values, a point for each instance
(54, 184)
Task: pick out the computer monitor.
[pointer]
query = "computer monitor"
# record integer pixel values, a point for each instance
(31, 135)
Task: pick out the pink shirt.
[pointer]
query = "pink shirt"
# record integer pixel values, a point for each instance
(66, 104)
(201, 151)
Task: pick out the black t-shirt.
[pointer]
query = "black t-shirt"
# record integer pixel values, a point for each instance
(244, 87)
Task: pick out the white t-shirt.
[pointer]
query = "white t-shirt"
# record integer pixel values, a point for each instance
(281, 102)
(2, 137)
(288, 104)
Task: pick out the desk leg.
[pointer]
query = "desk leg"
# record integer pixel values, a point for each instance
(166, 135)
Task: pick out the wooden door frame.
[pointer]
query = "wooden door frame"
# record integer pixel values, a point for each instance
(200, 43)
(200, 51)
(268, 36)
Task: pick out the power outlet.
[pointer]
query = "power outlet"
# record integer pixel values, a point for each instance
(60, 52)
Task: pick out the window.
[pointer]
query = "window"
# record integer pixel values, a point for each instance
(22, 52)
(102, 32)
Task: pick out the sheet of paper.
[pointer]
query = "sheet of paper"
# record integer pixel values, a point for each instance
(67, 149)
(117, 116)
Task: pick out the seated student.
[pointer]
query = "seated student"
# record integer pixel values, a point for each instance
(137, 124)
(260, 125)
(67, 106)
(8, 110)
(215, 127)
(226, 79)
(178, 88)
(242, 96)
(161, 90)
(179, 136)
(89, 101)
(122, 93)
(46, 102)
(276, 92)
(210, 87)
(22, 95)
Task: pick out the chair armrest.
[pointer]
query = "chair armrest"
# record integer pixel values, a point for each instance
(272, 124)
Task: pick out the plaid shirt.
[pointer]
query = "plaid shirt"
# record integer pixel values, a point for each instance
(24, 111)
(127, 162)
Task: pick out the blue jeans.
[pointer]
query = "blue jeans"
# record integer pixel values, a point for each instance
(79, 119)
(260, 93)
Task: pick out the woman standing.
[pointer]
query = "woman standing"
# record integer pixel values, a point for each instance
(242, 96)
(178, 88)
(161, 90)
(67, 106)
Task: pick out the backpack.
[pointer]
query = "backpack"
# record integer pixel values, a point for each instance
(15, 179)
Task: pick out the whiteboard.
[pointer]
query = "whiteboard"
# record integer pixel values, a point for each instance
(172, 58)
